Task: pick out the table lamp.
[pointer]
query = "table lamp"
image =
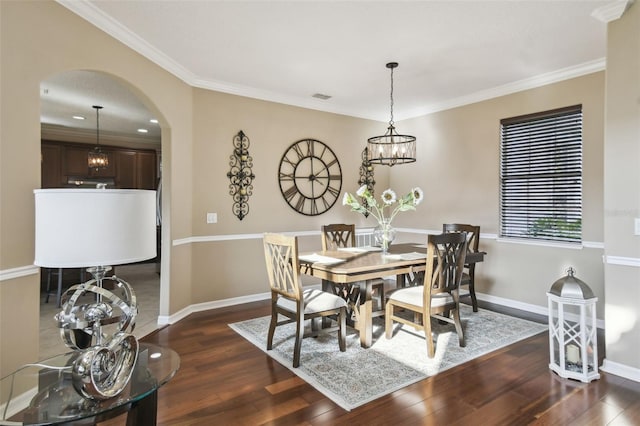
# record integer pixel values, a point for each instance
(97, 229)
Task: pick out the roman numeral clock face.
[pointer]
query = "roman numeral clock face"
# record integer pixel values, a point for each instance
(310, 177)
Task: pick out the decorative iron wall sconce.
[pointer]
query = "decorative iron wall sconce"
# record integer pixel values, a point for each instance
(240, 175)
(366, 176)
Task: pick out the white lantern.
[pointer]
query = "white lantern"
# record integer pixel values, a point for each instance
(573, 343)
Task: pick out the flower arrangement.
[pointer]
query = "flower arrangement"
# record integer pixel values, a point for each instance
(384, 232)
(388, 197)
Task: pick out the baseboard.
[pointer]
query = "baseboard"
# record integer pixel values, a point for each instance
(621, 370)
(199, 307)
(527, 307)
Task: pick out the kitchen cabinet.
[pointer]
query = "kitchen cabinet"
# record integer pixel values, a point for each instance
(51, 176)
(126, 169)
(63, 162)
(146, 175)
(136, 169)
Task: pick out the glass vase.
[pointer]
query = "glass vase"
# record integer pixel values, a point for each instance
(384, 235)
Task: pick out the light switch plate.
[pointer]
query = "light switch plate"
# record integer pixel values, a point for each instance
(212, 217)
(637, 226)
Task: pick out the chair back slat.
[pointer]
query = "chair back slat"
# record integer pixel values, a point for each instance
(446, 255)
(473, 234)
(281, 255)
(338, 235)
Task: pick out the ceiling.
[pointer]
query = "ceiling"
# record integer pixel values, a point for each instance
(450, 53)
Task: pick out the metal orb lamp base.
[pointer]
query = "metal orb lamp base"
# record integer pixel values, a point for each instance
(98, 322)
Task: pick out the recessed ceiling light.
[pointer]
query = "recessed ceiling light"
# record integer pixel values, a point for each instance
(154, 121)
(143, 131)
(78, 117)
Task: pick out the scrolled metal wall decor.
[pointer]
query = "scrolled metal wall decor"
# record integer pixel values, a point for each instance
(366, 175)
(240, 175)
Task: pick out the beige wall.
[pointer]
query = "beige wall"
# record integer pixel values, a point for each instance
(622, 189)
(469, 138)
(210, 262)
(39, 39)
(225, 269)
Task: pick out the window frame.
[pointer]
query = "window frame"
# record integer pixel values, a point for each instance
(541, 177)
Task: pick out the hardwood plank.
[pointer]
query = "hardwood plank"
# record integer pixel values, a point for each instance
(224, 379)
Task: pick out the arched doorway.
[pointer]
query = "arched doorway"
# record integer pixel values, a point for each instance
(69, 128)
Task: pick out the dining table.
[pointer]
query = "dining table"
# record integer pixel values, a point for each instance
(365, 265)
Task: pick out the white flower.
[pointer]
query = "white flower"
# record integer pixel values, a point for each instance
(418, 195)
(368, 205)
(388, 197)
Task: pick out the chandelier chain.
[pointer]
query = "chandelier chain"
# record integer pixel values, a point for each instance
(97, 108)
(391, 122)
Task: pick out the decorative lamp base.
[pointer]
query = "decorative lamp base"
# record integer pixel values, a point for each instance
(97, 322)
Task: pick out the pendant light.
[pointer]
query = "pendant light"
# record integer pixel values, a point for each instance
(97, 159)
(392, 148)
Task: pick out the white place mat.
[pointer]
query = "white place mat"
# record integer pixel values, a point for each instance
(317, 258)
(362, 249)
(407, 256)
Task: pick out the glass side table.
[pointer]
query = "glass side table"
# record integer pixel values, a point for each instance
(43, 394)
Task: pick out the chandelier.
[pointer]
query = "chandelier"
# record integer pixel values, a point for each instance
(392, 148)
(97, 159)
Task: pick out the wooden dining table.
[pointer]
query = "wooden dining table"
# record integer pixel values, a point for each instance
(364, 265)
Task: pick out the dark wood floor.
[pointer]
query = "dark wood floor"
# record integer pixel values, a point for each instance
(225, 380)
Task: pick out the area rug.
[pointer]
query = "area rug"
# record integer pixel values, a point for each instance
(353, 378)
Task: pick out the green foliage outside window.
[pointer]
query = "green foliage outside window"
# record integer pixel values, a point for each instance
(556, 228)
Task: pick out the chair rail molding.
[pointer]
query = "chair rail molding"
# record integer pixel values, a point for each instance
(22, 271)
(483, 236)
(623, 261)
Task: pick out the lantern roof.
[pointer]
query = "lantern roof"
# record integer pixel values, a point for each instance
(571, 287)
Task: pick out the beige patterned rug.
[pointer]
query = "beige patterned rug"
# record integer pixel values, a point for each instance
(353, 378)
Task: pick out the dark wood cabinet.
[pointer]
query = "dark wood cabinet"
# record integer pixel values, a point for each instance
(146, 175)
(51, 176)
(136, 169)
(128, 168)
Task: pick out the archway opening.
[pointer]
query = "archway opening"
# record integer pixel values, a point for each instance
(129, 130)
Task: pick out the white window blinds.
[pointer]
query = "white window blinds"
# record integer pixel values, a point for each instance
(541, 176)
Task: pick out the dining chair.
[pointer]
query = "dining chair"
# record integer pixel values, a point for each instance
(467, 284)
(290, 300)
(340, 235)
(438, 296)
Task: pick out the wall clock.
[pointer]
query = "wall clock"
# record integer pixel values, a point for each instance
(310, 177)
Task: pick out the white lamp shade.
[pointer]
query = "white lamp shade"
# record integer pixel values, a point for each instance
(77, 228)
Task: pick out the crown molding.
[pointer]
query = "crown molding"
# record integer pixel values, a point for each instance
(106, 23)
(87, 11)
(517, 86)
(612, 11)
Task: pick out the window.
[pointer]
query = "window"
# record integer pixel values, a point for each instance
(541, 176)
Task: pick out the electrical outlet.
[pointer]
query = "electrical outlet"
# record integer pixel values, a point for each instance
(637, 226)
(212, 217)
